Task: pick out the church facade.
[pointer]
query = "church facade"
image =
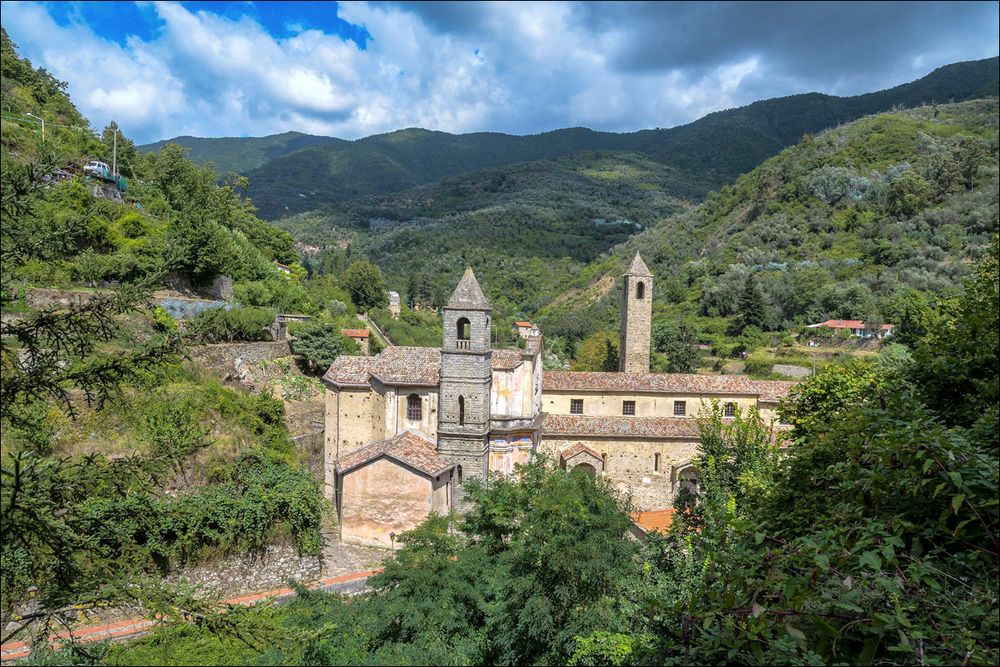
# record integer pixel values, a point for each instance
(407, 428)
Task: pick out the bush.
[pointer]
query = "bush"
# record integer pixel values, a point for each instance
(220, 325)
(320, 344)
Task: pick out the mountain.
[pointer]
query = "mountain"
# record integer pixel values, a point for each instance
(242, 154)
(861, 221)
(288, 178)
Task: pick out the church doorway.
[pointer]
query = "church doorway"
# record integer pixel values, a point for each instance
(585, 469)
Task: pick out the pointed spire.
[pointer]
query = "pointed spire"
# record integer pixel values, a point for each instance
(468, 295)
(638, 267)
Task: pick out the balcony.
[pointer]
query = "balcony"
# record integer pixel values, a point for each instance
(463, 344)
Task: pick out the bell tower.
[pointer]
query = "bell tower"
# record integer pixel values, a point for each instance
(637, 309)
(466, 377)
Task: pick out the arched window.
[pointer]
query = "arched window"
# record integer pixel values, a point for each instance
(640, 290)
(414, 408)
(461, 410)
(464, 329)
(688, 478)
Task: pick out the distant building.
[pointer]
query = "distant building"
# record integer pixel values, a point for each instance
(394, 305)
(526, 329)
(359, 336)
(856, 327)
(284, 269)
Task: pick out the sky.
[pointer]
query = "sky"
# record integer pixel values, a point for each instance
(352, 69)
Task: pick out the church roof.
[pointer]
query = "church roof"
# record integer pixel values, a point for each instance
(506, 359)
(663, 383)
(654, 521)
(408, 366)
(407, 448)
(772, 391)
(468, 295)
(621, 427)
(397, 365)
(638, 268)
(349, 371)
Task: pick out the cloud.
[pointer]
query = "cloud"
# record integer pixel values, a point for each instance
(489, 66)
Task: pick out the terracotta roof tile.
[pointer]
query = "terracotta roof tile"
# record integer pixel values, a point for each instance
(522, 324)
(355, 333)
(397, 365)
(613, 427)
(667, 383)
(407, 448)
(348, 370)
(655, 521)
(506, 359)
(848, 324)
(772, 391)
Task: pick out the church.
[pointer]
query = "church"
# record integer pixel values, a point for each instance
(406, 428)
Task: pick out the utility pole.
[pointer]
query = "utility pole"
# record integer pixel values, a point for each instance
(42, 121)
(114, 153)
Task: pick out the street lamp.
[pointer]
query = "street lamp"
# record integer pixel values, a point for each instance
(392, 539)
(42, 120)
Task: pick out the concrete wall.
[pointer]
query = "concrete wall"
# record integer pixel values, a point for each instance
(629, 465)
(385, 496)
(609, 404)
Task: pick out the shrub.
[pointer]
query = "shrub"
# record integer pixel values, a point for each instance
(235, 324)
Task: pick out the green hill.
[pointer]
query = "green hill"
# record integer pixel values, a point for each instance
(241, 154)
(861, 221)
(715, 149)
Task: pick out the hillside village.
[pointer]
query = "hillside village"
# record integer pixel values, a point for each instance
(725, 392)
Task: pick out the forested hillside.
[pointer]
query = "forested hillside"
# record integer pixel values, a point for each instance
(870, 220)
(711, 151)
(124, 461)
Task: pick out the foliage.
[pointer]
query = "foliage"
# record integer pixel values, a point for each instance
(599, 352)
(367, 287)
(321, 343)
(217, 325)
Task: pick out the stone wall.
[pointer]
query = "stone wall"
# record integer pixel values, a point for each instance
(633, 467)
(43, 298)
(232, 358)
(240, 574)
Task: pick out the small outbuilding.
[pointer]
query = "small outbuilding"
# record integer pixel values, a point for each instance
(390, 487)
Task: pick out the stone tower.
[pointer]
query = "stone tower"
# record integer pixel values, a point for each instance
(466, 375)
(637, 308)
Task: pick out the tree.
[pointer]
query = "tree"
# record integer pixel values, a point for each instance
(751, 310)
(598, 352)
(320, 344)
(367, 287)
(678, 343)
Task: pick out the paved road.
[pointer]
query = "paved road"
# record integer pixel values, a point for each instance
(348, 584)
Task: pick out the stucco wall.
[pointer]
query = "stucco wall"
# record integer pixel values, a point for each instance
(629, 465)
(396, 420)
(383, 497)
(609, 404)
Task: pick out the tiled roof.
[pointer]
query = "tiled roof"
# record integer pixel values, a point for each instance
(346, 370)
(772, 391)
(397, 365)
(468, 294)
(638, 267)
(355, 333)
(410, 366)
(666, 383)
(656, 521)
(614, 427)
(407, 448)
(579, 447)
(506, 359)
(848, 324)
(522, 324)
